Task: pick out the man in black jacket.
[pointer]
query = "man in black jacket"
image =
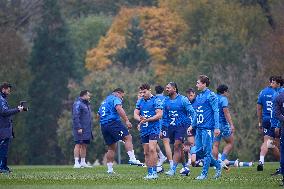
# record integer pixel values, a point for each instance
(6, 128)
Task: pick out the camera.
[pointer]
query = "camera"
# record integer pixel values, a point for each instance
(23, 103)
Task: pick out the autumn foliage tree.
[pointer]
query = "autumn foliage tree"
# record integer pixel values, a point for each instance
(134, 54)
(162, 32)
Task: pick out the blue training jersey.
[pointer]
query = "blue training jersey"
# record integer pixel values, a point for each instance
(176, 111)
(148, 109)
(265, 99)
(162, 98)
(107, 111)
(207, 112)
(222, 103)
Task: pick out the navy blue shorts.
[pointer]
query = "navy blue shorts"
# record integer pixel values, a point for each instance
(114, 132)
(145, 139)
(267, 130)
(82, 142)
(177, 133)
(164, 131)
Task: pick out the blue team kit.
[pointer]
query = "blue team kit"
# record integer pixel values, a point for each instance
(265, 99)
(148, 107)
(112, 128)
(176, 117)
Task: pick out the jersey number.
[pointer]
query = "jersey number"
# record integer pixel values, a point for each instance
(103, 111)
(146, 116)
(269, 107)
(200, 119)
(173, 121)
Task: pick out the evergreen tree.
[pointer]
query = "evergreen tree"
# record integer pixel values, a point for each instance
(134, 54)
(51, 65)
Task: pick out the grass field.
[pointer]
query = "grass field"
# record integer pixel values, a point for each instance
(131, 177)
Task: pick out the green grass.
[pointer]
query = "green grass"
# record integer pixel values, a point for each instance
(131, 177)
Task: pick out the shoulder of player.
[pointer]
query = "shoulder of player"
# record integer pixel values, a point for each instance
(113, 97)
(267, 90)
(167, 98)
(183, 98)
(211, 94)
(264, 90)
(138, 102)
(222, 98)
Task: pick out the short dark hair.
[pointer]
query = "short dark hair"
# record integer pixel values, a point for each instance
(145, 86)
(120, 90)
(159, 89)
(190, 90)
(173, 84)
(204, 79)
(5, 85)
(84, 92)
(221, 89)
(272, 78)
(278, 79)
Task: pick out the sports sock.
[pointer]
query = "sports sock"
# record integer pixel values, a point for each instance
(171, 163)
(261, 159)
(109, 166)
(161, 155)
(76, 160)
(245, 164)
(131, 155)
(83, 160)
(189, 161)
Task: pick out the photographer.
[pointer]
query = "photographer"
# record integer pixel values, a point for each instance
(6, 128)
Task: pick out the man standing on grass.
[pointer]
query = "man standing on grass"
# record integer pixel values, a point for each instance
(113, 129)
(148, 112)
(6, 128)
(176, 112)
(206, 124)
(226, 126)
(82, 128)
(264, 114)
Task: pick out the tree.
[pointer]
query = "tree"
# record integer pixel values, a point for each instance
(15, 70)
(134, 54)
(161, 38)
(51, 65)
(221, 40)
(85, 34)
(83, 8)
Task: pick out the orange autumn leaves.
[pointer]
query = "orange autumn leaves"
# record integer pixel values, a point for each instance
(162, 33)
